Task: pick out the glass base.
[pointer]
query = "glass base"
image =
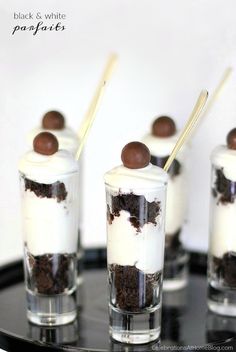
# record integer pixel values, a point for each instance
(64, 334)
(174, 284)
(80, 267)
(51, 310)
(222, 300)
(135, 328)
(176, 273)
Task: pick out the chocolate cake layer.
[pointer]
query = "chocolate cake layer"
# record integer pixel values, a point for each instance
(134, 290)
(225, 268)
(224, 187)
(175, 168)
(55, 190)
(173, 245)
(51, 273)
(141, 211)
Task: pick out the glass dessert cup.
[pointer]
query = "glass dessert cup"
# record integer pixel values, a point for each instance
(176, 257)
(50, 229)
(55, 123)
(135, 251)
(161, 141)
(222, 251)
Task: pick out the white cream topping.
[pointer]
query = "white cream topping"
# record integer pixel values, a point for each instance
(67, 138)
(176, 204)
(138, 181)
(223, 157)
(47, 168)
(162, 147)
(222, 228)
(50, 226)
(126, 246)
(176, 190)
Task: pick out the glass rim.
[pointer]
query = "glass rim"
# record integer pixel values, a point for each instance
(139, 189)
(56, 177)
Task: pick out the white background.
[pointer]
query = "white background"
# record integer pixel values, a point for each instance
(168, 51)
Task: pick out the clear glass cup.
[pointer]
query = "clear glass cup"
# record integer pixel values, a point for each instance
(135, 254)
(68, 140)
(50, 232)
(176, 257)
(222, 239)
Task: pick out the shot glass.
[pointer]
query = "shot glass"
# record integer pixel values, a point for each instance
(50, 204)
(222, 240)
(55, 123)
(161, 142)
(135, 254)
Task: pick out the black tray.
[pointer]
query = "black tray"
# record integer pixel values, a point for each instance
(185, 319)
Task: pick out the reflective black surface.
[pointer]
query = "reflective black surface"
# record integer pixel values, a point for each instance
(185, 319)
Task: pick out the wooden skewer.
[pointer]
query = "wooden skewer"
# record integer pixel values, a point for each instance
(216, 93)
(214, 96)
(95, 103)
(188, 127)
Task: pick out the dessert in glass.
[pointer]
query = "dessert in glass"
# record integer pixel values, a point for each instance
(161, 142)
(222, 241)
(49, 180)
(55, 123)
(135, 196)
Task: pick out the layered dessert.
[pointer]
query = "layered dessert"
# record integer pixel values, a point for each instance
(54, 122)
(222, 245)
(161, 142)
(135, 193)
(49, 189)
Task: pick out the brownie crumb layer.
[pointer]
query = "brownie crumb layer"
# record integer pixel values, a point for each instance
(54, 190)
(175, 168)
(173, 246)
(225, 268)
(225, 188)
(51, 273)
(134, 290)
(141, 211)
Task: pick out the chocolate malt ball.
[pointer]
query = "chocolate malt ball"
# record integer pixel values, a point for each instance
(53, 120)
(135, 155)
(45, 143)
(163, 126)
(231, 139)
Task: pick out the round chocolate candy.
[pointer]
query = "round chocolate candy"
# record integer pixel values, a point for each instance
(135, 155)
(231, 139)
(53, 120)
(163, 126)
(45, 143)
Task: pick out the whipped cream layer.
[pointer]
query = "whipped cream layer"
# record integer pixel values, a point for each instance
(137, 181)
(144, 249)
(47, 168)
(50, 226)
(176, 191)
(224, 158)
(162, 147)
(223, 214)
(176, 204)
(222, 228)
(126, 245)
(67, 138)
